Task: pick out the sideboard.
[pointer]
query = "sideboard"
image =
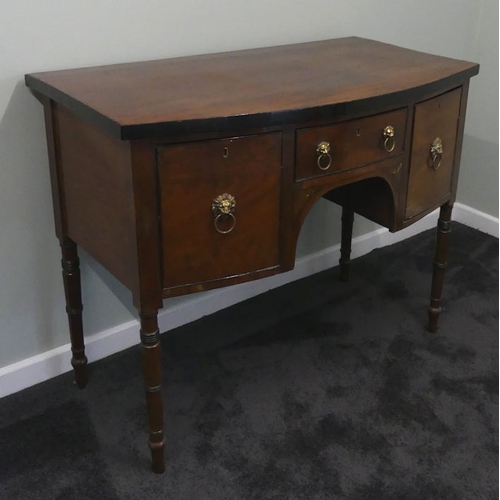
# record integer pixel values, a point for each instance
(193, 173)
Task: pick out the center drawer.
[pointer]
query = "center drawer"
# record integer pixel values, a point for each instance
(220, 207)
(346, 145)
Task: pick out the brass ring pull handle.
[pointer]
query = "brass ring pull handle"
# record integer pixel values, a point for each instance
(389, 138)
(224, 231)
(324, 160)
(223, 208)
(436, 153)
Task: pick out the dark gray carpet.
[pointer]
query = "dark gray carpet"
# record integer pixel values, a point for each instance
(317, 390)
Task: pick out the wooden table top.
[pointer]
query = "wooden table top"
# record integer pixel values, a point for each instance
(142, 99)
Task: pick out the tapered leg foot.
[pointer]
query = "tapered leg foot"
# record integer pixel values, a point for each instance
(72, 290)
(440, 263)
(151, 364)
(345, 245)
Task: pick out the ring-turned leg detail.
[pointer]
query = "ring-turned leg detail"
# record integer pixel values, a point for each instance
(72, 290)
(345, 244)
(151, 365)
(440, 263)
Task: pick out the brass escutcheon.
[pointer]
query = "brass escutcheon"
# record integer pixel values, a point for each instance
(389, 138)
(223, 207)
(323, 152)
(436, 153)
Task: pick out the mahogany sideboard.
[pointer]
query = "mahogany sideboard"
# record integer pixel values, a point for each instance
(194, 173)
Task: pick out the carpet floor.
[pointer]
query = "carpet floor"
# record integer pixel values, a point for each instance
(316, 390)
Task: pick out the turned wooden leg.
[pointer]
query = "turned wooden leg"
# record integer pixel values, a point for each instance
(345, 245)
(72, 290)
(443, 237)
(151, 365)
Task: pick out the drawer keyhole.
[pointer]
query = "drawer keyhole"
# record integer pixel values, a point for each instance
(225, 152)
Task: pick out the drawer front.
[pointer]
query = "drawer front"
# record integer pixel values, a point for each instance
(350, 144)
(434, 130)
(205, 237)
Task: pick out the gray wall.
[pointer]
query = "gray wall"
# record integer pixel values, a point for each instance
(478, 185)
(55, 34)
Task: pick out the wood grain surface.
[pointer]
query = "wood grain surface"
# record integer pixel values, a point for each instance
(258, 86)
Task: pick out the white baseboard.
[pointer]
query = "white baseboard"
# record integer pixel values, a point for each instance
(475, 219)
(31, 371)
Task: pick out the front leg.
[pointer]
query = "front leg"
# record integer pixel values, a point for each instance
(72, 290)
(151, 365)
(443, 238)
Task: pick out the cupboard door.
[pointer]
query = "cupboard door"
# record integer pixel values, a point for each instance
(433, 151)
(220, 208)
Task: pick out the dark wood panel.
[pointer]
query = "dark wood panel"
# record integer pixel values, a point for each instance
(258, 85)
(435, 118)
(148, 287)
(459, 142)
(191, 176)
(372, 198)
(53, 150)
(97, 182)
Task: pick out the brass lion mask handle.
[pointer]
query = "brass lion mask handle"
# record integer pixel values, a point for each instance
(436, 153)
(324, 160)
(389, 135)
(223, 207)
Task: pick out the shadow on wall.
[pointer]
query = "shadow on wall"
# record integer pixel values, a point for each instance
(32, 313)
(95, 276)
(28, 294)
